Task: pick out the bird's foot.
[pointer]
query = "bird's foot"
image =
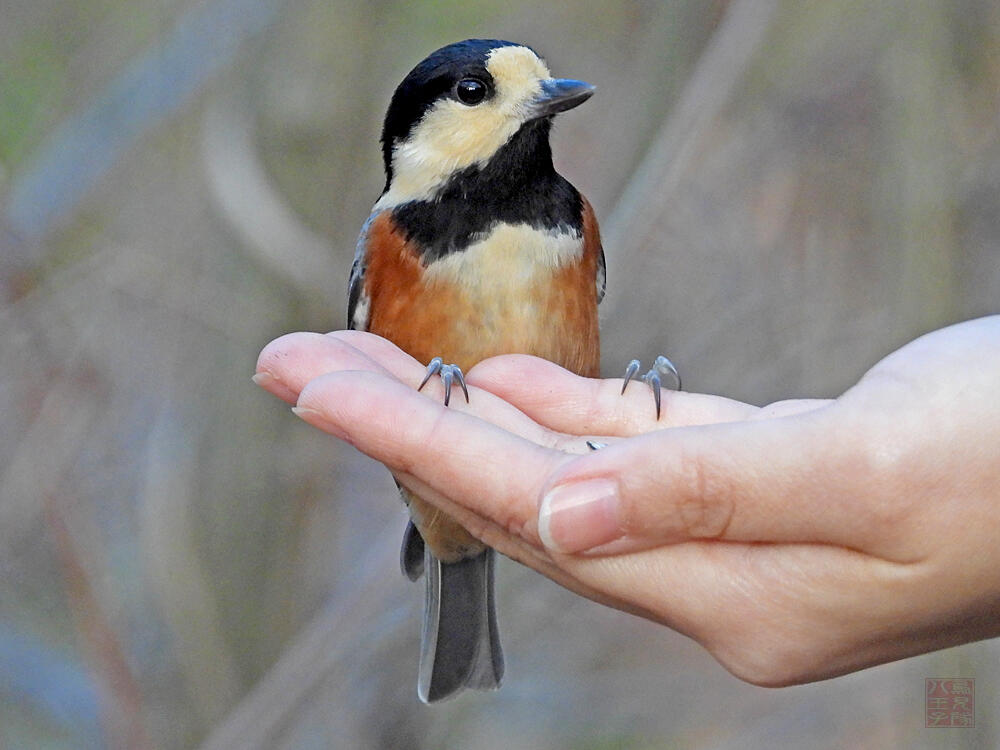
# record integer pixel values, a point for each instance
(663, 370)
(449, 374)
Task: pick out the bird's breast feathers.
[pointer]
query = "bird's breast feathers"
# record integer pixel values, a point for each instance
(509, 259)
(513, 288)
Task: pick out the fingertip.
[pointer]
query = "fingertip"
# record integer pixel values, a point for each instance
(286, 346)
(275, 387)
(579, 516)
(296, 359)
(280, 361)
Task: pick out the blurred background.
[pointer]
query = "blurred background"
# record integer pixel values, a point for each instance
(806, 185)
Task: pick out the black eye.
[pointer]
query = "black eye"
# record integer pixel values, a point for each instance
(470, 91)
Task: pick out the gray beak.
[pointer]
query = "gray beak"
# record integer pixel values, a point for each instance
(560, 94)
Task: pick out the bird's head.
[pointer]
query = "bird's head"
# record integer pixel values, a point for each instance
(460, 105)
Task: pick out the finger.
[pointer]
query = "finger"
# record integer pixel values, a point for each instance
(289, 362)
(292, 361)
(385, 353)
(568, 403)
(790, 407)
(275, 387)
(796, 479)
(488, 470)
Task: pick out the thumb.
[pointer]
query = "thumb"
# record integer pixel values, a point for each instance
(793, 479)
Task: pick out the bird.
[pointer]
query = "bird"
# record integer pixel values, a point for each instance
(476, 247)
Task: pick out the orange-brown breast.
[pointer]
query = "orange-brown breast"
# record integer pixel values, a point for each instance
(494, 298)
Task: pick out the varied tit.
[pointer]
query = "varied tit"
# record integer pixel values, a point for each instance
(477, 247)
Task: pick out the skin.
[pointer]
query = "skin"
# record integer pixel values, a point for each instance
(797, 541)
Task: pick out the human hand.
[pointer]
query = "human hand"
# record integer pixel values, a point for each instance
(797, 541)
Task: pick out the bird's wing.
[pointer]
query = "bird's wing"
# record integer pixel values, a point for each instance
(357, 299)
(592, 246)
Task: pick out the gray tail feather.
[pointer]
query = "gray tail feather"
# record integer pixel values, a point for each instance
(460, 644)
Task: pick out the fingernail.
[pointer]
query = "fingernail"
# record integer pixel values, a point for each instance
(263, 379)
(316, 419)
(579, 516)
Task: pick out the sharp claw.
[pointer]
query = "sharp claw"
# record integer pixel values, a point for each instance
(461, 381)
(434, 366)
(665, 367)
(595, 445)
(630, 371)
(446, 377)
(653, 378)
